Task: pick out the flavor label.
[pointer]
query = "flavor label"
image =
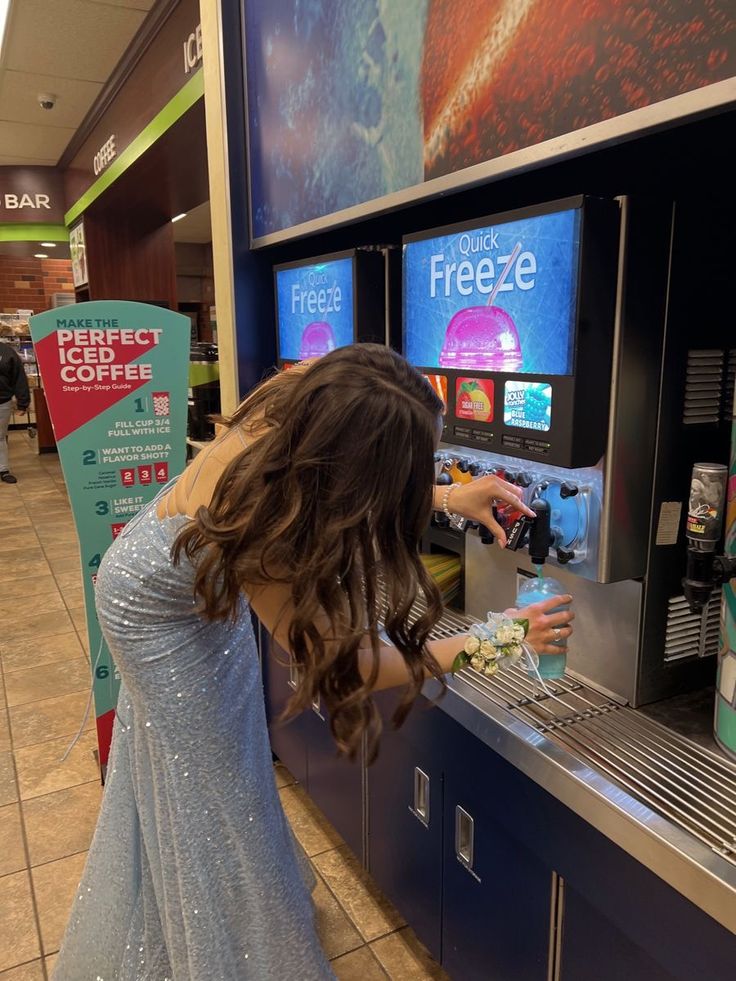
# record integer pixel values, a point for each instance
(439, 384)
(528, 405)
(474, 399)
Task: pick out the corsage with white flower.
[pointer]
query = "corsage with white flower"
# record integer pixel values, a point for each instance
(494, 645)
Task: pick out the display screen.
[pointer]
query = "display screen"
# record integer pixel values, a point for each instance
(528, 405)
(499, 298)
(315, 308)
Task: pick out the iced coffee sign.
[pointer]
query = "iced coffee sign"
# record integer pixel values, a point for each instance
(115, 376)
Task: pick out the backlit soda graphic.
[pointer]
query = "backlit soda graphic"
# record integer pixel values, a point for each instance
(161, 404)
(474, 399)
(528, 405)
(484, 338)
(439, 384)
(317, 340)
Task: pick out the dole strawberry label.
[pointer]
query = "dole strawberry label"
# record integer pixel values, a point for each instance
(115, 378)
(474, 399)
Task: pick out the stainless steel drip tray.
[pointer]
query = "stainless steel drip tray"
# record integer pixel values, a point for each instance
(664, 799)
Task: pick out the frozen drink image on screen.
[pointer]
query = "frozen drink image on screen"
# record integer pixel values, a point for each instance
(317, 339)
(484, 338)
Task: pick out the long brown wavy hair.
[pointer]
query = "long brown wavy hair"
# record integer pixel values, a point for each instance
(332, 498)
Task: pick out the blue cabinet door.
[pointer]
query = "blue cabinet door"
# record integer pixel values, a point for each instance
(593, 947)
(335, 784)
(405, 818)
(497, 892)
(288, 739)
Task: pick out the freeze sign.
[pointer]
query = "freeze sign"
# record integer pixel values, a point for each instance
(315, 309)
(501, 298)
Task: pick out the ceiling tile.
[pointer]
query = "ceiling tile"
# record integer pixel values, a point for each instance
(196, 227)
(69, 38)
(40, 142)
(6, 161)
(133, 4)
(19, 99)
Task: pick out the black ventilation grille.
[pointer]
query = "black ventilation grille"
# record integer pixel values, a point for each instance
(703, 387)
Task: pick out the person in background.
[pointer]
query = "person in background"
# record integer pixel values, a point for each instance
(13, 382)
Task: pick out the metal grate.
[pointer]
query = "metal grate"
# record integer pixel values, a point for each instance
(703, 387)
(691, 634)
(686, 783)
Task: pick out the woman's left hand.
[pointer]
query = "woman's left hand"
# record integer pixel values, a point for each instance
(476, 500)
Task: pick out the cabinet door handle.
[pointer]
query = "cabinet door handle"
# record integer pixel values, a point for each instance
(421, 796)
(317, 707)
(464, 837)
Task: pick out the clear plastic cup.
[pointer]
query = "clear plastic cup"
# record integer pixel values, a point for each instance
(535, 591)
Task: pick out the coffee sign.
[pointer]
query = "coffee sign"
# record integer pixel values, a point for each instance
(105, 155)
(31, 194)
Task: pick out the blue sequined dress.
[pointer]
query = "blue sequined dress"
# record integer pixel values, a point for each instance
(193, 874)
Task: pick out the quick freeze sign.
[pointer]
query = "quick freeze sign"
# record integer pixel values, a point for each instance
(315, 308)
(115, 377)
(501, 298)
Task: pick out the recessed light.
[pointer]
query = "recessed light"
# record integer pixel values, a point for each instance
(179, 217)
(48, 245)
(40, 255)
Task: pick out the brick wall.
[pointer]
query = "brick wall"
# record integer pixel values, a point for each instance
(27, 284)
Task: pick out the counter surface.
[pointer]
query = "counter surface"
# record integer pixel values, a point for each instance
(676, 814)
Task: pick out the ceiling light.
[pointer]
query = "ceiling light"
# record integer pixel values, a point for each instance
(40, 255)
(48, 245)
(4, 7)
(178, 217)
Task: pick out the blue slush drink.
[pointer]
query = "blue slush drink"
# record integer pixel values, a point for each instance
(535, 591)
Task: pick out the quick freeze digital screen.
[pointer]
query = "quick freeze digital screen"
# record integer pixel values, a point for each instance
(315, 305)
(500, 298)
(527, 405)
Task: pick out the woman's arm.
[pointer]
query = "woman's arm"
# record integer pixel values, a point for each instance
(273, 607)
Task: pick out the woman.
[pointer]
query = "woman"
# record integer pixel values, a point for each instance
(308, 511)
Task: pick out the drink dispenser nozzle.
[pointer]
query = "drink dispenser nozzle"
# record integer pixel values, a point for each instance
(540, 532)
(705, 569)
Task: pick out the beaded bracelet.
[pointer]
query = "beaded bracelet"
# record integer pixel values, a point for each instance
(446, 498)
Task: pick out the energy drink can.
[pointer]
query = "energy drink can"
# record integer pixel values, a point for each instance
(706, 504)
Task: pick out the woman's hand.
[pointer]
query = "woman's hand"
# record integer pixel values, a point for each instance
(544, 626)
(475, 501)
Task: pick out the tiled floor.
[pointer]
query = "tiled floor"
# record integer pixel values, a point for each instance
(48, 809)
